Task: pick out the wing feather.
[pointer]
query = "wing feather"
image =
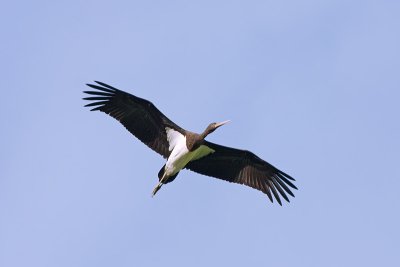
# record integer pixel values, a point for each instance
(244, 167)
(139, 116)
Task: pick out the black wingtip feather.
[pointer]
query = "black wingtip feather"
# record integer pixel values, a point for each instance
(96, 98)
(96, 108)
(98, 93)
(94, 86)
(277, 186)
(96, 103)
(287, 181)
(268, 192)
(106, 85)
(276, 195)
(284, 186)
(286, 175)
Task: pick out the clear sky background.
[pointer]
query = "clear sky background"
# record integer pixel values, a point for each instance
(313, 87)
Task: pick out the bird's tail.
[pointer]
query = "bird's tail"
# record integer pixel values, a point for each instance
(161, 173)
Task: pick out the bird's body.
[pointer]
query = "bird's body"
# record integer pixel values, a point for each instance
(185, 149)
(182, 152)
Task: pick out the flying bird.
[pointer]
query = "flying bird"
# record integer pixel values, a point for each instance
(186, 149)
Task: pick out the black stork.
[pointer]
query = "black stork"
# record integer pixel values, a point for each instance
(185, 149)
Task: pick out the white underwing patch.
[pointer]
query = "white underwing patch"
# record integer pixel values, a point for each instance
(174, 137)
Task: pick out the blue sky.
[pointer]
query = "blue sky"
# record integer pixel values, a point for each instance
(310, 86)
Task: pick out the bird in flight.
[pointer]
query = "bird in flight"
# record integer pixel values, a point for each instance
(185, 149)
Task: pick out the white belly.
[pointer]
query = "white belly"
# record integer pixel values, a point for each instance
(180, 155)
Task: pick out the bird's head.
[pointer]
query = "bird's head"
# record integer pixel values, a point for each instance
(213, 126)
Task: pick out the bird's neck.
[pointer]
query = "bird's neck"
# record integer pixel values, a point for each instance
(194, 141)
(204, 134)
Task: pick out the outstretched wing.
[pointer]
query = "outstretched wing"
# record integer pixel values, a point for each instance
(244, 167)
(139, 116)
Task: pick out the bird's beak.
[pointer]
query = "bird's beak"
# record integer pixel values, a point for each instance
(221, 123)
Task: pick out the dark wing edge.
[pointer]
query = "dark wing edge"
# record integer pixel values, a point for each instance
(139, 116)
(244, 167)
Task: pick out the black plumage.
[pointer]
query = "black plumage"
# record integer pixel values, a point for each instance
(148, 124)
(139, 116)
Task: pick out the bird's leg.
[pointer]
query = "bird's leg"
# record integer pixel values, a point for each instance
(156, 189)
(163, 178)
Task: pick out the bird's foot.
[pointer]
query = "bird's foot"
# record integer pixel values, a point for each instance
(156, 189)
